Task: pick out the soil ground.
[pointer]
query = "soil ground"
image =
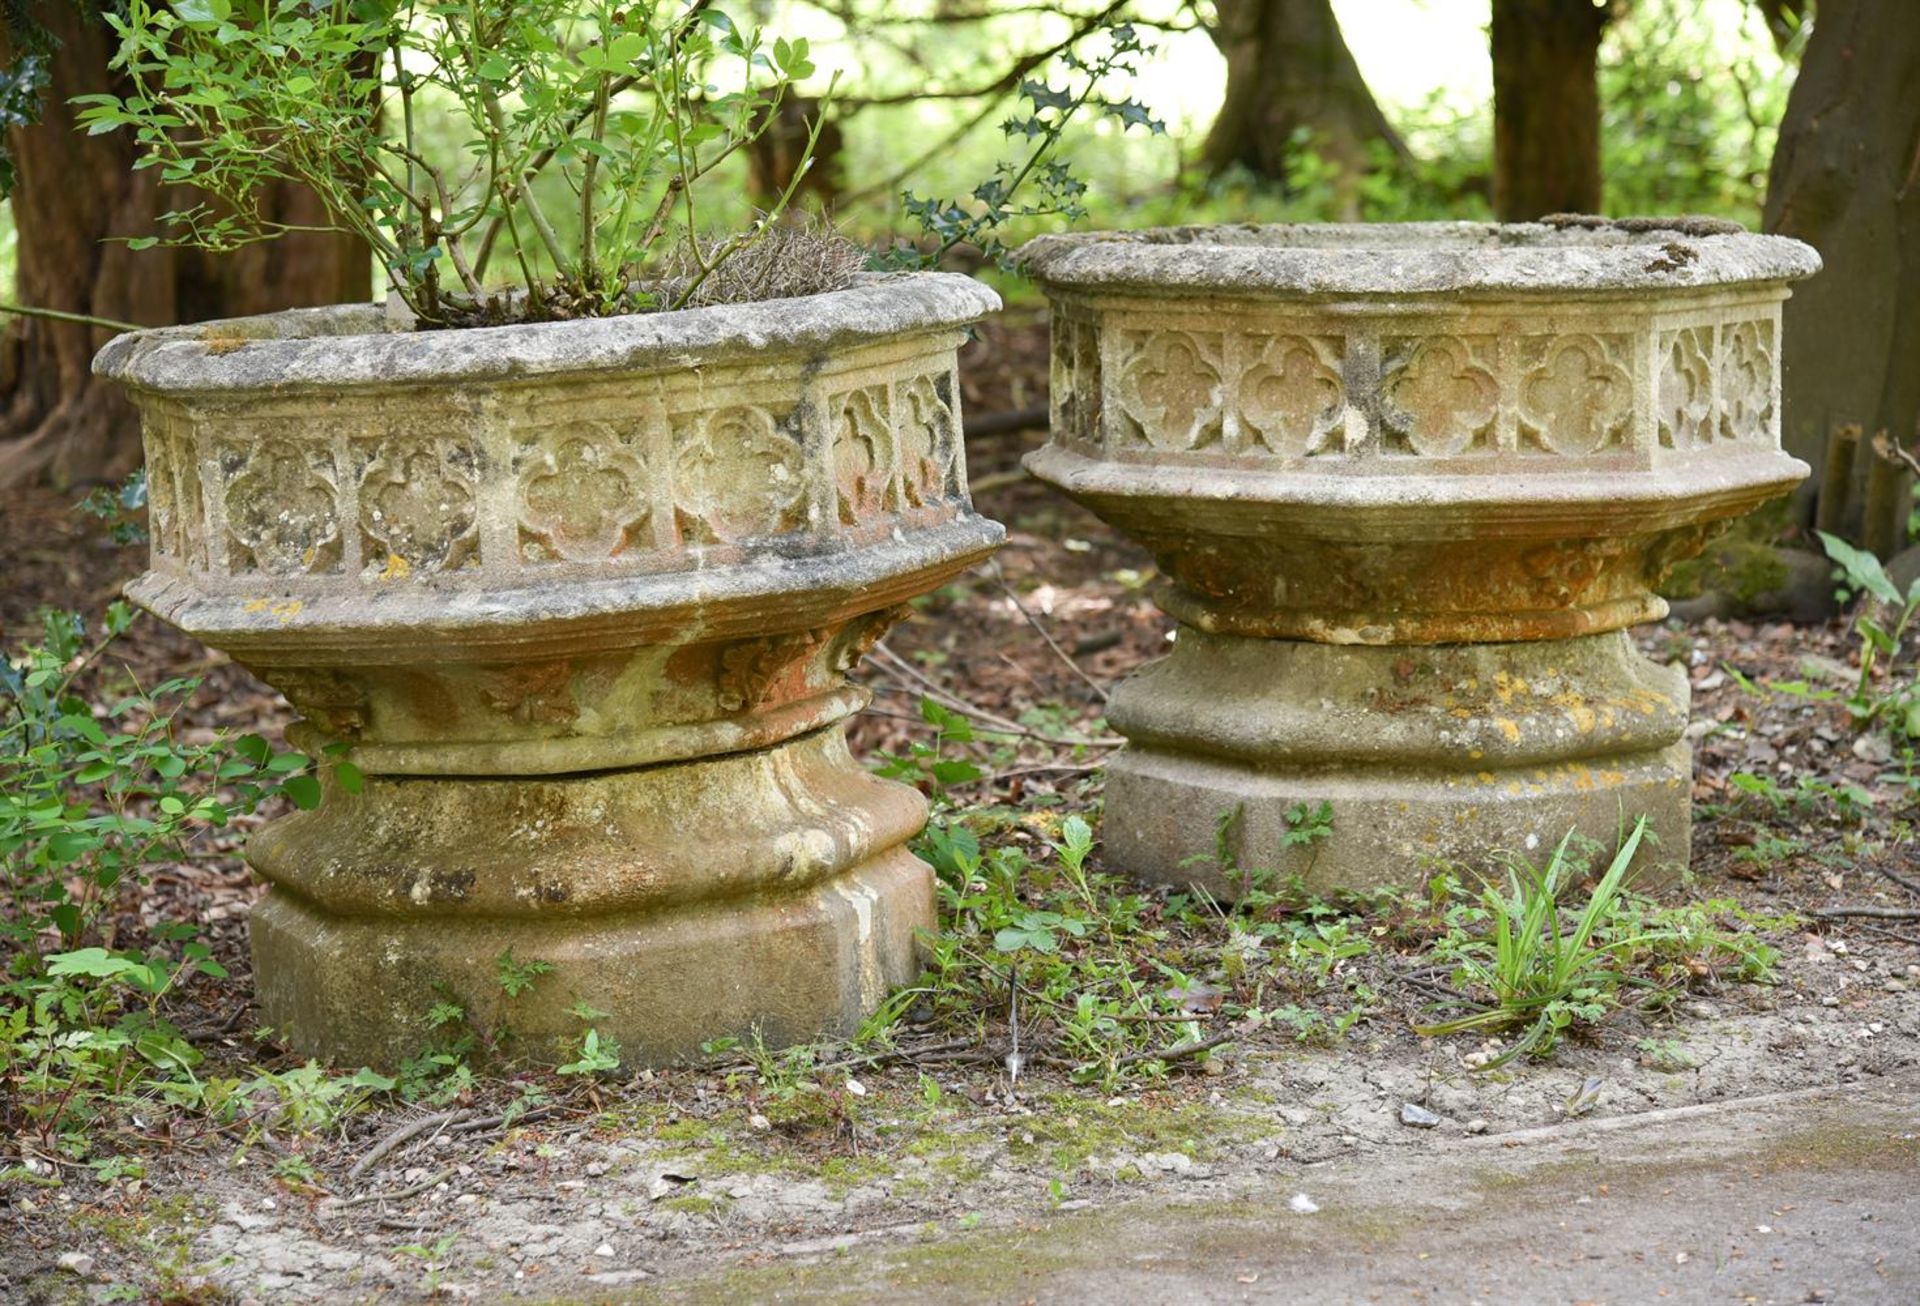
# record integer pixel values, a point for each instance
(1750, 1143)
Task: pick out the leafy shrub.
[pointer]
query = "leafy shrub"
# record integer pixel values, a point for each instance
(1037, 182)
(92, 797)
(587, 131)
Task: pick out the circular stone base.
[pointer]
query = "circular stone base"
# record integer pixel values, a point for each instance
(1423, 756)
(764, 893)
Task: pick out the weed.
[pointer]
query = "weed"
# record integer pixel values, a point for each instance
(518, 977)
(433, 1258)
(1536, 969)
(1666, 1055)
(598, 1053)
(1880, 694)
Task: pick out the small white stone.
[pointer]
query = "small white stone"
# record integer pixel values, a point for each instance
(604, 1249)
(77, 1263)
(1302, 1204)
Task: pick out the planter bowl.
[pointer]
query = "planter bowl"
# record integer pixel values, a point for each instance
(581, 598)
(1467, 454)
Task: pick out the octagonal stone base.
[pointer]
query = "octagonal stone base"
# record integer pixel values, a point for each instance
(1427, 755)
(767, 892)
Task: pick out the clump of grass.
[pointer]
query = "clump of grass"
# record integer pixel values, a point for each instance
(1538, 969)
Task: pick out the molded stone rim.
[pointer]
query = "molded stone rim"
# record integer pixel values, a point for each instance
(581, 615)
(350, 347)
(1577, 258)
(1625, 493)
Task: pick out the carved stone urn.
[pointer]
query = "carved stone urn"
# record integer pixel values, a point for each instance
(1407, 487)
(581, 597)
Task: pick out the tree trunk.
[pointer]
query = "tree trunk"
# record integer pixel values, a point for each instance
(773, 158)
(1846, 179)
(1288, 71)
(77, 199)
(1546, 107)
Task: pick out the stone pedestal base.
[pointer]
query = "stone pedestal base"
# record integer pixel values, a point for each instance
(689, 901)
(1430, 754)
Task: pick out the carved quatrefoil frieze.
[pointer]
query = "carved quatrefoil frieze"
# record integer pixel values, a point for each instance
(1746, 380)
(864, 458)
(1290, 398)
(1074, 380)
(1171, 392)
(929, 438)
(1686, 387)
(1578, 398)
(583, 494)
(282, 507)
(417, 507)
(1439, 396)
(737, 475)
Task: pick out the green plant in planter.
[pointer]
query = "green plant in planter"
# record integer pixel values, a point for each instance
(588, 129)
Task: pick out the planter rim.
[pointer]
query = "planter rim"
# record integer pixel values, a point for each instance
(1742, 475)
(728, 601)
(1563, 257)
(352, 345)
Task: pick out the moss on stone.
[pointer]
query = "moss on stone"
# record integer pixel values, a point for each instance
(1745, 564)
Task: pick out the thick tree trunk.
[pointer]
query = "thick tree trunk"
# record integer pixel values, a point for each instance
(1846, 179)
(77, 198)
(1289, 70)
(1546, 107)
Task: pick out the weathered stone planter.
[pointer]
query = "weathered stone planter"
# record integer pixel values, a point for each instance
(1407, 487)
(581, 597)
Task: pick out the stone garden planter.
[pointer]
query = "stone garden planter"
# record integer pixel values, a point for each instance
(581, 597)
(1407, 488)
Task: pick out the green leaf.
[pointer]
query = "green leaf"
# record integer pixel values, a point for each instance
(97, 963)
(349, 776)
(1863, 570)
(203, 13)
(304, 790)
(956, 771)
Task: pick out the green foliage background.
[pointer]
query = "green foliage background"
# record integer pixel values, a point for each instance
(1693, 93)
